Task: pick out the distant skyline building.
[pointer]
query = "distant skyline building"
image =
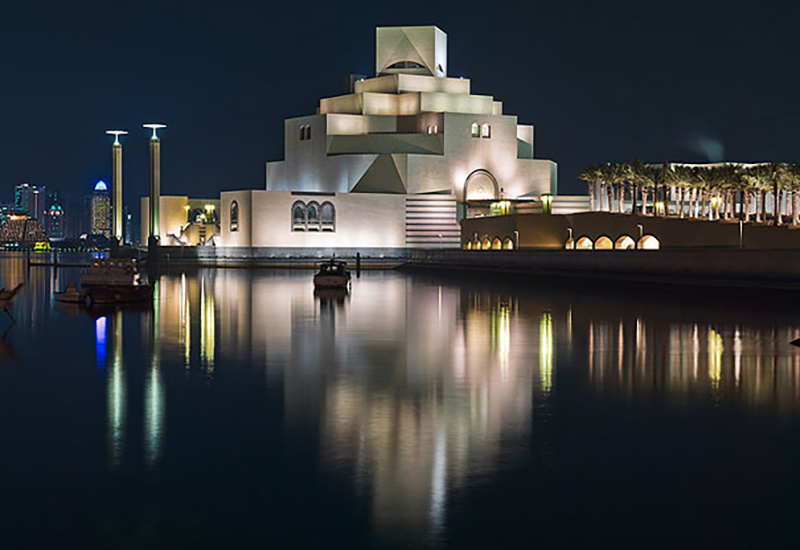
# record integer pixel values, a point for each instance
(55, 221)
(101, 210)
(29, 199)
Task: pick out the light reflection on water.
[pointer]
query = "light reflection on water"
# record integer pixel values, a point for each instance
(409, 391)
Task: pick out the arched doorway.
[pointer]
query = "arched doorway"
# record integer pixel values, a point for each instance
(584, 243)
(497, 244)
(603, 243)
(625, 242)
(481, 185)
(487, 244)
(508, 244)
(649, 242)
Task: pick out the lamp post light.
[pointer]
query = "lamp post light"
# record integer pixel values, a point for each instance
(155, 185)
(116, 185)
(640, 227)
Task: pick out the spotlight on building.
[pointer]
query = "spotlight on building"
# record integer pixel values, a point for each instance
(116, 185)
(547, 203)
(155, 185)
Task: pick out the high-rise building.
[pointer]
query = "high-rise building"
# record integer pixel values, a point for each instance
(127, 220)
(29, 199)
(55, 222)
(101, 210)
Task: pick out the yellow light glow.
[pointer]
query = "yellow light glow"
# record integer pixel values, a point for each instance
(210, 207)
(546, 350)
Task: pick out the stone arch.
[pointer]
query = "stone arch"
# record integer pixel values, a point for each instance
(486, 244)
(603, 242)
(481, 185)
(649, 242)
(299, 216)
(497, 244)
(508, 244)
(625, 242)
(234, 216)
(584, 243)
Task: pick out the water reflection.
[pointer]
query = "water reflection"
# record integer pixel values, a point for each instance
(410, 390)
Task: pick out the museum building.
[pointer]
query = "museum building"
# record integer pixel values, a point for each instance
(392, 165)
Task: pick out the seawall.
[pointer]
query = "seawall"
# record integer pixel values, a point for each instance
(708, 267)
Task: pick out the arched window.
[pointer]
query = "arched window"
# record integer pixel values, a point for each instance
(327, 216)
(308, 132)
(312, 217)
(508, 244)
(299, 216)
(649, 242)
(468, 245)
(234, 216)
(486, 131)
(625, 242)
(584, 243)
(487, 244)
(405, 65)
(476, 130)
(497, 244)
(603, 243)
(302, 133)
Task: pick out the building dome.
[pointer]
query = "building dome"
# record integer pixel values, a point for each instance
(101, 186)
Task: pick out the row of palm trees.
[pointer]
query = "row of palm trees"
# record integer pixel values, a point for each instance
(713, 192)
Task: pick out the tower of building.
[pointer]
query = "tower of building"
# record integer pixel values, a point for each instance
(101, 210)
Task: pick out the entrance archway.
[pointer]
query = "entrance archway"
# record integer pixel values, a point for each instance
(481, 185)
(584, 243)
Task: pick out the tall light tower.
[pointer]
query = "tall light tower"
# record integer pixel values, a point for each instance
(155, 185)
(116, 185)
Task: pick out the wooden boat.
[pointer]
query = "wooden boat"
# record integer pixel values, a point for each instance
(108, 282)
(332, 274)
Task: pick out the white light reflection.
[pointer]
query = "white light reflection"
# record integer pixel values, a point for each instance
(116, 396)
(546, 350)
(154, 405)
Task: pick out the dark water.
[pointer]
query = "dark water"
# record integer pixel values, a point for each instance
(420, 410)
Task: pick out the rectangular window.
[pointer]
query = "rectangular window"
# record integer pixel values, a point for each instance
(486, 131)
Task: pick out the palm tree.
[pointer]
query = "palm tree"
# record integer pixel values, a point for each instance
(608, 173)
(592, 175)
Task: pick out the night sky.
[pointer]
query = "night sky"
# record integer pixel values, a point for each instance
(605, 81)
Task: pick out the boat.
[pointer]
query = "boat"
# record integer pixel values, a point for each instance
(108, 282)
(332, 274)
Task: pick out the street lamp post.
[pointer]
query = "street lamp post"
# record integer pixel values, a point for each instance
(116, 185)
(155, 186)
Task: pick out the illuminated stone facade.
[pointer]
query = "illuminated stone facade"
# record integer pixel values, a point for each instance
(398, 160)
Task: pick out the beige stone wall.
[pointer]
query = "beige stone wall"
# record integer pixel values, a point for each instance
(362, 220)
(173, 216)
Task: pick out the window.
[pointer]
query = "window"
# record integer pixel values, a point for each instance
(302, 133)
(327, 217)
(405, 65)
(475, 130)
(234, 216)
(486, 131)
(305, 132)
(312, 217)
(299, 216)
(435, 129)
(308, 132)
(430, 130)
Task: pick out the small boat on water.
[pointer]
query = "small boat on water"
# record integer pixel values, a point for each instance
(108, 282)
(332, 274)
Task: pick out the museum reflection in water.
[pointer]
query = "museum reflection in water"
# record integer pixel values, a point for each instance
(413, 388)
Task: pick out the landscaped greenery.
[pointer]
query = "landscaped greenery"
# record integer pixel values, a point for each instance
(712, 192)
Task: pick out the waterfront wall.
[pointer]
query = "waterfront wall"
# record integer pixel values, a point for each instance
(234, 256)
(539, 231)
(716, 267)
